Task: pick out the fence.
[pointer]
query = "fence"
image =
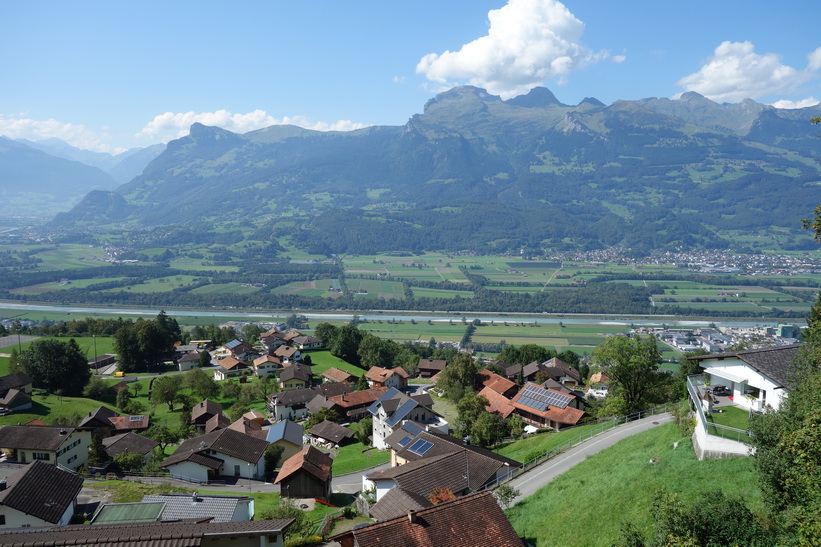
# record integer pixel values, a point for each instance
(603, 426)
(712, 428)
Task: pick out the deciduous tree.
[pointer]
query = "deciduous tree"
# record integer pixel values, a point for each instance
(56, 365)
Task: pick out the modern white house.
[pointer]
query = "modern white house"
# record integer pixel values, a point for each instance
(394, 407)
(756, 379)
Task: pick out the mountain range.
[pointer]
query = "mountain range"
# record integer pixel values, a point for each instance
(477, 172)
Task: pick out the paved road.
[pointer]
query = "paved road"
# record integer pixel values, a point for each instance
(531, 481)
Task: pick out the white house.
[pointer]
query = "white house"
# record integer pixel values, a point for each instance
(394, 407)
(38, 495)
(66, 446)
(757, 379)
(225, 452)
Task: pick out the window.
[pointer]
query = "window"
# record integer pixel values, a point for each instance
(41, 456)
(2, 520)
(71, 459)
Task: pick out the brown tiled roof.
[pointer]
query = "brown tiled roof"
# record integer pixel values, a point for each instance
(138, 421)
(128, 442)
(398, 502)
(311, 460)
(432, 364)
(41, 490)
(296, 371)
(470, 521)
(225, 441)
(425, 475)
(100, 416)
(232, 363)
(381, 375)
(497, 383)
(146, 534)
(600, 378)
(497, 402)
(331, 431)
(285, 351)
(359, 398)
(37, 437)
(773, 363)
(14, 381)
(338, 375)
(217, 422)
(332, 389)
(205, 408)
(556, 368)
(267, 359)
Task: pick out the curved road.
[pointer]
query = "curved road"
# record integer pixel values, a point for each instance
(532, 480)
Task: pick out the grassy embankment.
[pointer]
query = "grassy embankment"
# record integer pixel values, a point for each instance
(588, 504)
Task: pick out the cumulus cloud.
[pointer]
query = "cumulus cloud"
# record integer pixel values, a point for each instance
(171, 125)
(804, 103)
(736, 72)
(79, 136)
(528, 41)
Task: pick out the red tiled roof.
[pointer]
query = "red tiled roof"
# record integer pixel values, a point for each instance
(464, 522)
(358, 398)
(497, 383)
(497, 402)
(567, 415)
(231, 363)
(379, 374)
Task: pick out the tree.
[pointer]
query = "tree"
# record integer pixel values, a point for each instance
(441, 495)
(163, 435)
(320, 416)
(250, 332)
(814, 223)
(505, 494)
(165, 389)
(346, 344)
(201, 383)
(96, 452)
(459, 377)
(123, 399)
(364, 430)
(204, 360)
(361, 383)
(516, 426)
(272, 456)
(488, 429)
(56, 365)
(469, 408)
(130, 461)
(96, 388)
(327, 333)
(632, 364)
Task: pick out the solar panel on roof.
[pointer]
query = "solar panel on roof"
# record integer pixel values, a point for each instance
(404, 441)
(539, 398)
(420, 447)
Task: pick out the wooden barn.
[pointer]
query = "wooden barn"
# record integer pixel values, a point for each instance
(306, 474)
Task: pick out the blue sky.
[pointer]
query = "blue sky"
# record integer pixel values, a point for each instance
(107, 75)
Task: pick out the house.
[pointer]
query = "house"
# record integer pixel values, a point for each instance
(306, 474)
(192, 506)
(222, 453)
(393, 407)
(334, 374)
(229, 367)
(38, 495)
(499, 384)
(240, 350)
(429, 367)
(188, 361)
(527, 372)
(255, 416)
(217, 422)
(203, 412)
(202, 532)
(291, 404)
(757, 379)
(129, 443)
(288, 435)
(546, 408)
(271, 340)
(384, 377)
(468, 521)
(15, 392)
(267, 365)
(330, 435)
(304, 342)
(497, 402)
(288, 354)
(354, 406)
(295, 376)
(99, 420)
(66, 446)
(249, 427)
(561, 372)
(124, 424)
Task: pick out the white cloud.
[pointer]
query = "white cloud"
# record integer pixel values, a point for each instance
(736, 72)
(803, 103)
(528, 41)
(170, 125)
(80, 136)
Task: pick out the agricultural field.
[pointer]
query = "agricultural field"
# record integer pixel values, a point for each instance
(66, 256)
(62, 285)
(158, 285)
(324, 288)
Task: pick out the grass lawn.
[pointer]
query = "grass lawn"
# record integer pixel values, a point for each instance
(530, 447)
(731, 416)
(357, 457)
(619, 484)
(322, 360)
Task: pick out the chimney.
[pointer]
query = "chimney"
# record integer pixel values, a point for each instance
(194, 497)
(2, 485)
(412, 517)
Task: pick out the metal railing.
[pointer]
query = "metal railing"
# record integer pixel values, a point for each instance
(712, 428)
(604, 425)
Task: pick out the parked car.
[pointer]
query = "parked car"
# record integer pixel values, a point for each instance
(722, 390)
